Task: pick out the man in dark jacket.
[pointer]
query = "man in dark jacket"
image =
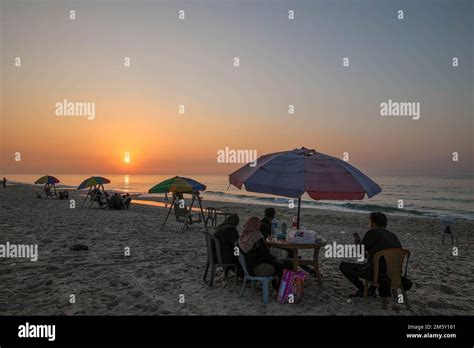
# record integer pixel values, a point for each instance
(227, 235)
(376, 239)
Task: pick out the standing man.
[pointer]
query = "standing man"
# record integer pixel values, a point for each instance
(4, 182)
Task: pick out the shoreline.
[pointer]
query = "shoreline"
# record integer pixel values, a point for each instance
(277, 201)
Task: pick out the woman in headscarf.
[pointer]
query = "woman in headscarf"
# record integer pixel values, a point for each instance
(258, 259)
(227, 235)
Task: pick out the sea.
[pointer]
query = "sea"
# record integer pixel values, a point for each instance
(440, 197)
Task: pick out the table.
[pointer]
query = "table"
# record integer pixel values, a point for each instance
(283, 244)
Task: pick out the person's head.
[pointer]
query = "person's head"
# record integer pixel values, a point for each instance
(252, 224)
(232, 219)
(377, 220)
(270, 213)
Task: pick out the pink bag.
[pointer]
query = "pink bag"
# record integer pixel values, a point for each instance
(291, 287)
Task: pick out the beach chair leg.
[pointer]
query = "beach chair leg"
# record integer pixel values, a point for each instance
(205, 272)
(265, 291)
(253, 283)
(366, 288)
(242, 290)
(213, 273)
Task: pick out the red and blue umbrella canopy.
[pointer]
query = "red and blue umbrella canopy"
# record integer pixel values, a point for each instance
(178, 184)
(47, 179)
(93, 181)
(292, 173)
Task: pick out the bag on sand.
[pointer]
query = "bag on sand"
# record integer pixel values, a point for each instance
(291, 287)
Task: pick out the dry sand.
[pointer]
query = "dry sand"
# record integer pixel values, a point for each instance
(164, 265)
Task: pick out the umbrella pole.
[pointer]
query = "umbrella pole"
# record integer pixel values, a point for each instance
(298, 218)
(169, 212)
(202, 213)
(188, 213)
(85, 199)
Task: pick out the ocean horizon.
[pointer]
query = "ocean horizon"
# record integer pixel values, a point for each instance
(423, 196)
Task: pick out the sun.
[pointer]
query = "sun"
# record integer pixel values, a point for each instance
(126, 157)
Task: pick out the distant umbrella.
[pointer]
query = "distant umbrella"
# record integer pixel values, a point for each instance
(177, 184)
(95, 185)
(292, 173)
(47, 179)
(93, 181)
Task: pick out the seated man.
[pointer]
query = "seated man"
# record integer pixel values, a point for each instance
(266, 223)
(376, 239)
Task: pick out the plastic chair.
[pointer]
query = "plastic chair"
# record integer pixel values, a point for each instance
(211, 215)
(247, 277)
(394, 258)
(210, 239)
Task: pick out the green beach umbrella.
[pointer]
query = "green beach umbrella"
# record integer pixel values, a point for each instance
(177, 184)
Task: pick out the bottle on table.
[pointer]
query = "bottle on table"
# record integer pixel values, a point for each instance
(294, 222)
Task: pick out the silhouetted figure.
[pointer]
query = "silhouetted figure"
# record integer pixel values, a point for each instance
(4, 182)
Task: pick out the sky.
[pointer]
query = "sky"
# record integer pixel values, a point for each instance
(190, 62)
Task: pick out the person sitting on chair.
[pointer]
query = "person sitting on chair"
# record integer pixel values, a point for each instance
(377, 238)
(258, 259)
(266, 222)
(116, 201)
(126, 199)
(227, 235)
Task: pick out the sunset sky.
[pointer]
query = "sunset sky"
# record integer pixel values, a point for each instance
(190, 62)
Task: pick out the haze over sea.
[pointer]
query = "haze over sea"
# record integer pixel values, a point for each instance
(421, 195)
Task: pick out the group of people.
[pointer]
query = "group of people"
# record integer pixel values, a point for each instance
(115, 201)
(261, 262)
(251, 242)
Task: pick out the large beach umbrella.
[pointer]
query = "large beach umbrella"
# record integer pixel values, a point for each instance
(180, 185)
(95, 183)
(292, 173)
(49, 182)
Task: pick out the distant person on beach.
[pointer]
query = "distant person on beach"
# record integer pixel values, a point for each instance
(258, 259)
(116, 201)
(377, 238)
(266, 222)
(126, 200)
(227, 235)
(4, 182)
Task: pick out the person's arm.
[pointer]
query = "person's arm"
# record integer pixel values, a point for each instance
(368, 240)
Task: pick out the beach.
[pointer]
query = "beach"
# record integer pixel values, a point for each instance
(165, 265)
